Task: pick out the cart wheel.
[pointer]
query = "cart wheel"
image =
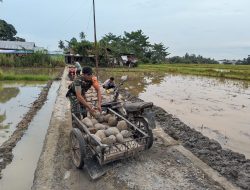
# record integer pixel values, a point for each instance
(142, 124)
(78, 148)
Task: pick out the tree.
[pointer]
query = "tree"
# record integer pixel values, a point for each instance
(84, 48)
(192, 59)
(113, 46)
(113, 42)
(19, 39)
(8, 32)
(248, 60)
(137, 43)
(159, 53)
(82, 36)
(61, 44)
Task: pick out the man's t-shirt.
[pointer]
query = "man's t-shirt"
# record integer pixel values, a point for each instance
(108, 83)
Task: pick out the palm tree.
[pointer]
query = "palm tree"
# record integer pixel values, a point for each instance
(82, 36)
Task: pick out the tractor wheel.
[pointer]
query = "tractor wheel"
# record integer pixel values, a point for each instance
(78, 148)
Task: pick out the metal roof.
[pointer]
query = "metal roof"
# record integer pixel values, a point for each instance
(15, 45)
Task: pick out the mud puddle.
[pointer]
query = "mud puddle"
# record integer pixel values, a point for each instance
(218, 109)
(19, 174)
(15, 100)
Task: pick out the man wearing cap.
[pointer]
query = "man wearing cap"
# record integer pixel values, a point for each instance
(77, 91)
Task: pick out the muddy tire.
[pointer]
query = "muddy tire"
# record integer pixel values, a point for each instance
(78, 148)
(142, 124)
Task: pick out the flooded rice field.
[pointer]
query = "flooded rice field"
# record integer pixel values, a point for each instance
(15, 100)
(53, 72)
(27, 151)
(219, 108)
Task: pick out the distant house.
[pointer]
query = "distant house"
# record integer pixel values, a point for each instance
(16, 47)
(71, 58)
(128, 59)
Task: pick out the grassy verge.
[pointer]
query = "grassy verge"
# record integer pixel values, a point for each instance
(241, 72)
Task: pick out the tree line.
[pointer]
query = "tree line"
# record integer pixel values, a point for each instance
(246, 61)
(191, 59)
(135, 42)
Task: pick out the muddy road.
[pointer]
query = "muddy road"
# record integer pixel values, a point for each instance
(164, 166)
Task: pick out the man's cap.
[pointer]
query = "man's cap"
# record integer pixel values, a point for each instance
(87, 70)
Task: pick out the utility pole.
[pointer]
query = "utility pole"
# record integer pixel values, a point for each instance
(96, 48)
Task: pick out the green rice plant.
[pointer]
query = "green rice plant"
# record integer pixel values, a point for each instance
(37, 59)
(26, 77)
(241, 72)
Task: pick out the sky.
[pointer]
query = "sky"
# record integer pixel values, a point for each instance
(212, 28)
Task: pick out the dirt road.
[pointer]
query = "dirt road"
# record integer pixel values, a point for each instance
(164, 166)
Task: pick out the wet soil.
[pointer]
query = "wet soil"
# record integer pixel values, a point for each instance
(6, 148)
(218, 109)
(15, 102)
(161, 167)
(234, 166)
(27, 151)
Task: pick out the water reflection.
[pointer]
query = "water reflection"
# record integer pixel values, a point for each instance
(137, 81)
(218, 108)
(7, 93)
(15, 100)
(2, 118)
(27, 151)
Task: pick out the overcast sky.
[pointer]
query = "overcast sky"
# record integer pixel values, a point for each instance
(212, 28)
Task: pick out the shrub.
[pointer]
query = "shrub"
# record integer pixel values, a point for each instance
(37, 59)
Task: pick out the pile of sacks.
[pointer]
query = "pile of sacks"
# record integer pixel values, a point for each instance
(106, 129)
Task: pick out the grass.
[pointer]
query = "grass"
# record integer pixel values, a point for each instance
(241, 72)
(2, 117)
(37, 59)
(36, 74)
(25, 77)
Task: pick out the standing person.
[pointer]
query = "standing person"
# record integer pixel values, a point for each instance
(77, 90)
(78, 68)
(109, 83)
